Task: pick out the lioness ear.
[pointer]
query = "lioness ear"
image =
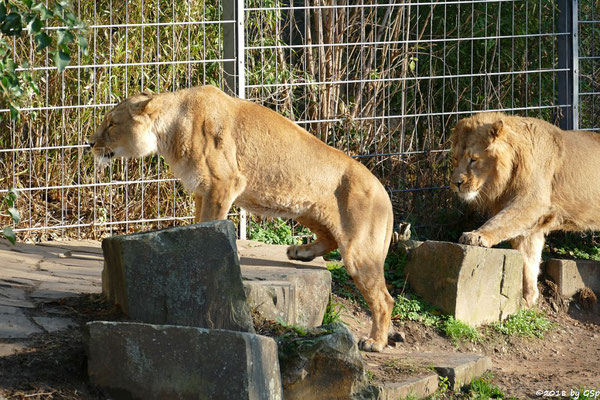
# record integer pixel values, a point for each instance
(497, 128)
(140, 106)
(148, 92)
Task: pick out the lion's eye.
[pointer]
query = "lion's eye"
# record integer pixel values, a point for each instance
(472, 160)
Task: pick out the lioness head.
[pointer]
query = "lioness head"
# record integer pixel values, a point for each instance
(126, 131)
(475, 155)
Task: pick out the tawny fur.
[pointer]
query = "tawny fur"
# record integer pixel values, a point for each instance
(531, 177)
(226, 150)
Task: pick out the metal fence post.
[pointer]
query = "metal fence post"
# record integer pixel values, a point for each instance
(235, 78)
(568, 63)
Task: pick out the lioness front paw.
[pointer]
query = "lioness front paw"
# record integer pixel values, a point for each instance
(300, 254)
(474, 239)
(367, 344)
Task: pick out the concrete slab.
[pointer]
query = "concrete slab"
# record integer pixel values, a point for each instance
(419, 387)
(293, 291)
(133, 360)
(186, 275)
(459, 368)
(474, 284)
(572, 275)
(53, 324)
(16, 325)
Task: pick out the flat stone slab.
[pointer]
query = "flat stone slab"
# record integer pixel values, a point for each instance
(294, 292)
(418, 387)
(16, 325)
(134, 360)
(573, 275)
(188, 275)
(53, 324)
(459, 368)
(476, 285)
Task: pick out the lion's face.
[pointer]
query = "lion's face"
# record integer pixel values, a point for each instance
(125, 132)
(474, 161)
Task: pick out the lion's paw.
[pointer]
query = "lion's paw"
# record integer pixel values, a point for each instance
(474, 239)
(300, 254)
(367, 344)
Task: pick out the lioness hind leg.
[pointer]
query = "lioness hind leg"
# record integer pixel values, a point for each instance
(530, 248)
(324, 243)
(367, 274)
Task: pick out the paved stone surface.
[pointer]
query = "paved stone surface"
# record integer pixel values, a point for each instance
(328, 364)
(275, 286)
(53, 324)
(475, 284)
(293, 291)
(16, 325)
(133, 360)
(573, 275)
(31, 274)
(186, 275)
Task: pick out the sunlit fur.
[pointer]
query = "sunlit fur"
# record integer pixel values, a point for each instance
(531, 178)
(226, 150)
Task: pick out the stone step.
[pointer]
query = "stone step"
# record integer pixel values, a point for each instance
(476, 285)
(294, 292)
(143, 361)
(459, 369)
(573, 275)
(158, 277)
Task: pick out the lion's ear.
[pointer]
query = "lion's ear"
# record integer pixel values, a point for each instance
(140, 107)
(497, 128)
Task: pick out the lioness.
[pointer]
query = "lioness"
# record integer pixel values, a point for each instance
(226, 150)
(532, 177)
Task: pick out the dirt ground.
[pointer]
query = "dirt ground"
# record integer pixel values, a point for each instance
(53, 366)
(567, 358)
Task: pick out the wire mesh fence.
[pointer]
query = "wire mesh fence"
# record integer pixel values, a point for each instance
(383, 81)
(133, 45)
(589, 64)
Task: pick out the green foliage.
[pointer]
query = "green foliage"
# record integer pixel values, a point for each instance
(343, 285)
(275, 231)
(394, 270)
(483, 389)
(32, 18)
(410, 308)
(459, 331)
(530, 323)
(9, 203)
(333, 312)
(574, 245)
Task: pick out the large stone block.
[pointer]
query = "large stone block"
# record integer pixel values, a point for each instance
(281, 289)
(187, 275)
(475, 284)
(143, 361)
(326, 366)
(573, 275)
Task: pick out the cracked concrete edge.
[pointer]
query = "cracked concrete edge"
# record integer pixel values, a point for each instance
(464, 373)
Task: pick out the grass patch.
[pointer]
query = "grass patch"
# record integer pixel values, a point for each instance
(482, 388)
(333, 312)
(529, 323)
(411, 308)
(459, 331)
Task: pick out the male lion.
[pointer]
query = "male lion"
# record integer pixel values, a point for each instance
(226, 150)
(532, 177)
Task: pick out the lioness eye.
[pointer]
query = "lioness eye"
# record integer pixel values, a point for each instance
(472, 160)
